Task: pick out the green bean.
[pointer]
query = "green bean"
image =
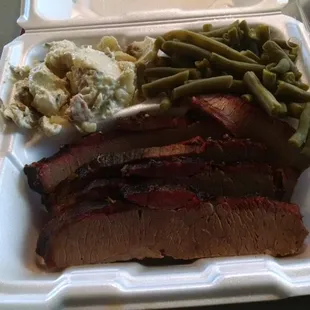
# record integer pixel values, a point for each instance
(220, 31)
(285, 44)
(185, 50)
(282, 67)
(247, 97)
(251, 55)
(159, 42)
(291, 92)
(204, 67)
(302, 85)
(276, 53)
(283, 110)
(233, 37)
(263, 96)
(221, 40)
(247, 31)
(233, 66)
(160, 72)
(294, 51)
(165, 84)
(292, 57)
(207, 27)
(237, 87)
(300, 136)
(263, 33)
(202, 64)
(204, 86)
(265, 59)
(207, 43)
(289, 77)
(269, 80)
(294, 110)
(165, 104)
(140, 76)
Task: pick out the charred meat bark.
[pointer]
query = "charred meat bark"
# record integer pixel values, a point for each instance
(244, 120)
(44, 175)
(102, 233)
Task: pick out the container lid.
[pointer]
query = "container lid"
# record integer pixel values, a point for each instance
(52, 14)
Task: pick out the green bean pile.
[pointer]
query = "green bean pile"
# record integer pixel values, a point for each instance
(236, 59)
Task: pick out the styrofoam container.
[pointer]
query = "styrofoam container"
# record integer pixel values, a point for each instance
(127, 285)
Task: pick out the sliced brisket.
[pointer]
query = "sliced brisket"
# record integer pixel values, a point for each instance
(44, 175)
(211, 150)
(110, 164)
(247, 121)
(92, 233)
(198, 178)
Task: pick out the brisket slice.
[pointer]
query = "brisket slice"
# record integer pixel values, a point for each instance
(92, 233)
(44, 175)
(208, 181)
(218, 151)
(110, 164)
(284, 179)
(247, 121)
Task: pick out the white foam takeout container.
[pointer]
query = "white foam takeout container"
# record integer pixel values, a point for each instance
(23, 285)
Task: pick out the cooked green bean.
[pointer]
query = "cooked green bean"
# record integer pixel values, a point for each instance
(263, 33)
(207, 27)
(282, 67)
(202, 64)
(283, 110)
(159, 42)
(265, 59)
(248, 32)
(300, 136)
(276, 53)
(207, 43)
(233, 66)
(251, 55)
(292, 57)
(222, 40)
(220, 31)
(302, 85)
(269, 80)
(185, 50)
(247, 97)
(262, 95)
(294, 110)
(140, 67)
(233, 37)
(164, 85)
(165, 104)
(204, 86)
(291, 92)
(289, 77)
(294, 51)
(237, 87)
(160, 72)
(285, 44)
